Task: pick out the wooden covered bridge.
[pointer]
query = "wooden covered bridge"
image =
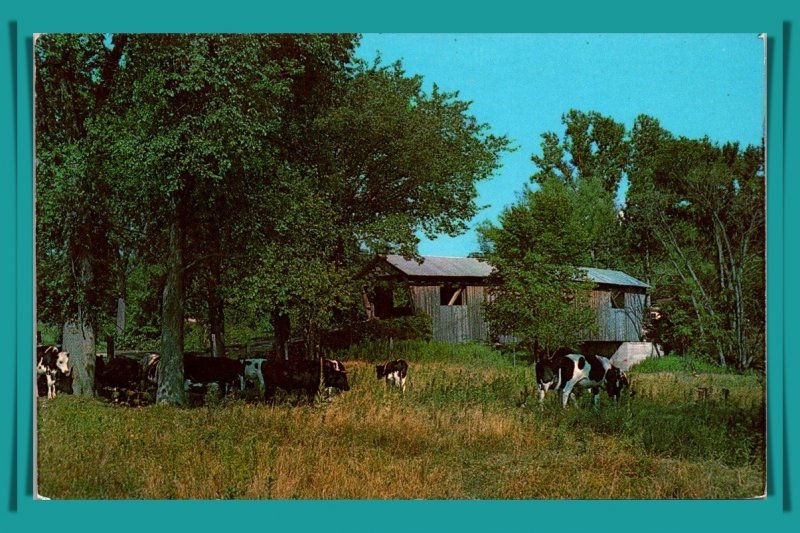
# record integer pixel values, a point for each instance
(452, 291)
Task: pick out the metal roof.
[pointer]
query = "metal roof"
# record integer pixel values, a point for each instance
(612, 277)
(451, 267)
(470, 267)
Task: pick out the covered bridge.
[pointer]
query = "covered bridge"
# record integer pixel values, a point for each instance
(452, 291)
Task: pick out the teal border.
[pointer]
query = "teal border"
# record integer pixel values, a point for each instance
(20, 513)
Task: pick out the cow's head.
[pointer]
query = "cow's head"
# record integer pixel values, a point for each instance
(616, 382)
(334, 374)
(380, 371)
(62, 362)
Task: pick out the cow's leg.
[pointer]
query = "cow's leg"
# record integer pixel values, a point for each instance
(574, 398)
(51, 385)
(596, 396)
(269, 393)
(403, 385)
(567, 392)
(542, 389)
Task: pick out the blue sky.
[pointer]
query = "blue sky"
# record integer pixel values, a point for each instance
(521, 85)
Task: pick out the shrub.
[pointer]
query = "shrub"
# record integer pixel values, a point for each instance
(677, 363)
(412, 327)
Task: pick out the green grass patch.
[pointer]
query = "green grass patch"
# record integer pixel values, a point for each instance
(680, 363)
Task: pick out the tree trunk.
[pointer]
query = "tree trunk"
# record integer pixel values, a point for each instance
(281, 327)
(122, 288)
(120, 316)
(216, 309)
(78, 340)
(170, 381)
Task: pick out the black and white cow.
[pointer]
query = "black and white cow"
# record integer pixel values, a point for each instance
(253, 373)
(586, 371)
(303, 375)
(63, 384)
(53, 365)
(393, 371)
(150, 368)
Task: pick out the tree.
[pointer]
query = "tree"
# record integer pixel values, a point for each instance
(590, 160)
(74, 74)
(695, 211)
(384, 159)
(538, 291)
(187, 152)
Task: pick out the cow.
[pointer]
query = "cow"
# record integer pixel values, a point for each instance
(394, 372)
(199, 372)
(253, 373)
(119, 379)
(117, 373)
(150, 369)
(53, 365)
(220, 370)
(303, 375)
(587, 371)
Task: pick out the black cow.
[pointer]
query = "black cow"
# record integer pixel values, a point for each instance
(586, 371)
(119, 379)
(199, 372)
(220, 370)
(302, 375)
(117, 373)
(52, 365)
(394, 371)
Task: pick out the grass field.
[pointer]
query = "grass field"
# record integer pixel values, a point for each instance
(460, 431)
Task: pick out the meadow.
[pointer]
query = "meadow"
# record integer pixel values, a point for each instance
(468, 427)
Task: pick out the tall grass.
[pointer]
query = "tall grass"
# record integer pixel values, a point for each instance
(464, 429)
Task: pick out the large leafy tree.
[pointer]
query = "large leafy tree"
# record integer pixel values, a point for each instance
(74, 238)
(381, 160)
(695, 216)
(539, 293)
(590, 159)
(189, 152)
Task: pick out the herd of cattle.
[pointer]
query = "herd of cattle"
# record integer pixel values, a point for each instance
(565, 371)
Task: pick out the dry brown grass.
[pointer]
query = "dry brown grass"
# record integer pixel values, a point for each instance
(458, 433)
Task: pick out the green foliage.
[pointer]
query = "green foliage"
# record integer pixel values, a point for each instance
(695, 225)
(418, 351)
(678, 363)
(414, 327)
(594, 146)
(535, 250)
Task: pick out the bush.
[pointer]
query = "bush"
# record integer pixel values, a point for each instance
(412, 327)
(677, 363)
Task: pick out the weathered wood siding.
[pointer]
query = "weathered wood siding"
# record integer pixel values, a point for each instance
(619, 325)
(454, 323)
